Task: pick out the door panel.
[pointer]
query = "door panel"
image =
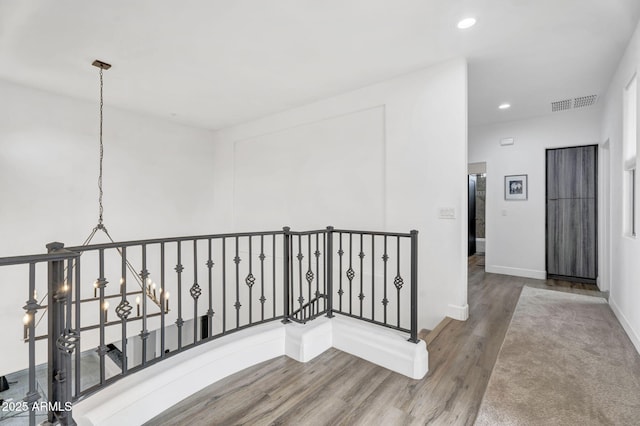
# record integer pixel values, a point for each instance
(572, 213)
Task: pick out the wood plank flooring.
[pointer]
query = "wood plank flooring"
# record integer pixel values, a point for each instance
(339, 389)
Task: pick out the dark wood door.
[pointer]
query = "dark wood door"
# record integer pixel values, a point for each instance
(571, 204)
(472, 215)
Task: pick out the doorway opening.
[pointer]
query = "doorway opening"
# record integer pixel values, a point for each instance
(477, 178)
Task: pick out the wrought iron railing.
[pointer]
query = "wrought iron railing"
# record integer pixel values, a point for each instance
(219, 284)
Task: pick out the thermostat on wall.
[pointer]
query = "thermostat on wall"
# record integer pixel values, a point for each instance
(506, 141)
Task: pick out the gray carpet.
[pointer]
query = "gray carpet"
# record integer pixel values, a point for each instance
(565, 360)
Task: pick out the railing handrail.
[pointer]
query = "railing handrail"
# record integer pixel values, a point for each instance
(37, 258)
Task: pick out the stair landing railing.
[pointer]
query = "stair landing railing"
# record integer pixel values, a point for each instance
(219, 284)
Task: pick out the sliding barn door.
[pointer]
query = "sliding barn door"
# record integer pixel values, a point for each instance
(571, 213)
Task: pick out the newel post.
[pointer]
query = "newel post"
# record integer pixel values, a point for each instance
(286, 244)
(414, 286)
(329, 271)
(61, 343)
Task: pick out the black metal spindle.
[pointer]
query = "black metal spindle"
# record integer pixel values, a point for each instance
(250, 280)
(124, 309)
(309, 277)
(179, 321)
(210, 310)
(102, 349)
(237, 305)
(350, 273)
(361, 256)
(340, 254)
(262, 298)
(398, 280)
(328, 291)
(77, 318)
(195, 291)
(385, 259)
(317, 293)
(414, 286)
(373, 278)
(224, 285)
(164, 303)
(286, 273)
(273, 255)
(146, 289)
(300, 257)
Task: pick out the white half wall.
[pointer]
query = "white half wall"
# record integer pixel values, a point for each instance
(515, 230)
(384, 157)
(625, 251)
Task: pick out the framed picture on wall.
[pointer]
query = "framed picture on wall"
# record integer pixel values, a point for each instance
(515, 187)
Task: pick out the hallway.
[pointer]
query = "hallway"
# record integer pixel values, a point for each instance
(337, 388)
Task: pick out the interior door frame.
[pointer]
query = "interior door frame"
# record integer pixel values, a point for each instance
(596, 218)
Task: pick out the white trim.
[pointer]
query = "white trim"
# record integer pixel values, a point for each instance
(141, 396)
(457, 312)
(517, 272)
(633, 335)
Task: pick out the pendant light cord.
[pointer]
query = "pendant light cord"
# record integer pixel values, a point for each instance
(100, 192)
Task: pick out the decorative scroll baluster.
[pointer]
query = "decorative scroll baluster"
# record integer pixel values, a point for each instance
(361, 256)
(144, 276)
(250, 281)
(317, 293)
(179, 321)
(300, 257)
(398, 281)
(262, 298)
(101, 283)
(31, 309)
(210, 310)
(385, 259)
(309, 277)
(123, 310)
(237, 305)
(350, 274)
(195, 291)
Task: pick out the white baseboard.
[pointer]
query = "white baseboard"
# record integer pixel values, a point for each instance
(633, 335)
(141, 396)
(457, 312)
(516, 272)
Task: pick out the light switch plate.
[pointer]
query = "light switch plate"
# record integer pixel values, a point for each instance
(447, 213)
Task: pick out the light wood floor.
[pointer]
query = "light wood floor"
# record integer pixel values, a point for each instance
(337, 388)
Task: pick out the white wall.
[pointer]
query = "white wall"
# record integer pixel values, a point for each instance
(625, 251)
(515, 230)
(157, 183)
(402, 145)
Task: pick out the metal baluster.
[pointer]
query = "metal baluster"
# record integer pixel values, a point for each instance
(102, 349)
(237, 305)
(317, 294)
(250, 280)
(195, 291)
(164, 306)
(300, 257)
(77, 328)
(414, 286)
(328, 258)
(273, 254)
(385, 259)
(361, 256)
(179, 321)
(262, 298)
(124, 309)
(224, 285)
(309, 277)
(31, 309)
(350, 273)
(286, 273)
(210, 310)
(373, 278)
(340, 254)
(144, 276)
(398, 279)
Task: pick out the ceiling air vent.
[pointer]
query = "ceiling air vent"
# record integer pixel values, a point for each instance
(585, 101)
(561, 105)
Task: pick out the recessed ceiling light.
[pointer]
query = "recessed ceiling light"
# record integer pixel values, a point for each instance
(466, 23)
(504, 106)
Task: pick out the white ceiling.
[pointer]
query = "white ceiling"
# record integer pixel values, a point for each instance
(213, 63)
